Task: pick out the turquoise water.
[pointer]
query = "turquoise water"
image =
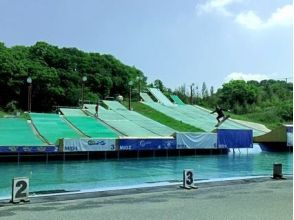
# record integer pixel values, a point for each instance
(99, 174)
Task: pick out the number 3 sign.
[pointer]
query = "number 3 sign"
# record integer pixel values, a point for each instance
(188, 179)
(20, 189)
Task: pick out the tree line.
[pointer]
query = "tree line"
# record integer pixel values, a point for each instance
(267, 100)
(57, 74)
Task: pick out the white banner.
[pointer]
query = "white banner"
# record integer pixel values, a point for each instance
(89, 144)
(196, 140)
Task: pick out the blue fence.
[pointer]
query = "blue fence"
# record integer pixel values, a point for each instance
(232, 138)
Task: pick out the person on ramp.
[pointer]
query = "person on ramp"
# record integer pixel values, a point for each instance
(220, 113)
(96, 110)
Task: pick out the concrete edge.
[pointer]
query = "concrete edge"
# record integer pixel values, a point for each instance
(203, 184)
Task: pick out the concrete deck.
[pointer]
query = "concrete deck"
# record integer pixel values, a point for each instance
(260, 198)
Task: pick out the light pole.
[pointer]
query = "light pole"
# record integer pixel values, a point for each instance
(130, 94)
(84, 79)
(191, 97)
(29, 81)
(139, 78)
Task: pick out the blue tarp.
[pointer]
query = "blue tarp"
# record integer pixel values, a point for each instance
(289, 136)
(234, 138)
(147, 144)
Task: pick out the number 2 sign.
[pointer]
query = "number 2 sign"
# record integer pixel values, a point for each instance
(20, 189)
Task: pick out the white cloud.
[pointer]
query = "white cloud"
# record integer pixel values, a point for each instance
(281, 17)
(250, 20)
(216, 6)
(245, 76)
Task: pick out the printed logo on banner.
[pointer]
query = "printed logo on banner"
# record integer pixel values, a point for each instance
(96, 142)
(89, 144)
(147, 144)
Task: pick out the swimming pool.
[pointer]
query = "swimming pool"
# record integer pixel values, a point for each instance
(99, 174)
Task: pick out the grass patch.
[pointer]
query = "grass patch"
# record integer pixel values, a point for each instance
(269, 117)
(163, 119)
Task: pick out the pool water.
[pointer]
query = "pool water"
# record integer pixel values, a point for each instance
(99, 174)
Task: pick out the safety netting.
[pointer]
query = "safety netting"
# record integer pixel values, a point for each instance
(17, 132)
(53, 127)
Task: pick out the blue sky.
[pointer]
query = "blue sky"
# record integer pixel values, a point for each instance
(177, 41)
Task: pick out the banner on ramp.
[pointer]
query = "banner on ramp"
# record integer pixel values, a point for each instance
(289, 136)
(88, 144)
(28, 149)
(196, 140)
(147, 144)
(234, 138)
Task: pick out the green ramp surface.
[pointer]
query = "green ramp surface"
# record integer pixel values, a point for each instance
(177, 100)
(141, 120)
(198, 117)
(160, 96)
(53, 127)
(120, 123)
(17, 132)
(91, 127)
(72, 111)
(146, 97)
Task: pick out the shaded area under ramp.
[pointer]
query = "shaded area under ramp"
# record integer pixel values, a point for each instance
(279, 139)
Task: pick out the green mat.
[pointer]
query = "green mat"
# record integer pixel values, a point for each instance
(53, 127)
(197, 117)
(160, 96)
(17, 132)
(122, 124)
(92, 127)
(177, 100)
(72, 111)
(138, 119)
(146, 97)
